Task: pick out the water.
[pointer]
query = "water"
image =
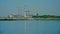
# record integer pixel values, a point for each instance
(30, 27)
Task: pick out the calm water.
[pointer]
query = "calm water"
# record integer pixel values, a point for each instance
(30, 27)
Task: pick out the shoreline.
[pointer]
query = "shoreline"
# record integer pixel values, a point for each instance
(32, 19)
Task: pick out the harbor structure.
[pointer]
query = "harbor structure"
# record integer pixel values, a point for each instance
(27, 15)
(19, 16)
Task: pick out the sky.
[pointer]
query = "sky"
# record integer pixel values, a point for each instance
(43, 7)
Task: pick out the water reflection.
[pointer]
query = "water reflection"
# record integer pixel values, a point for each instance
(30, 27)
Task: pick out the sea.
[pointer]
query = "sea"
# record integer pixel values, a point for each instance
(30, 27)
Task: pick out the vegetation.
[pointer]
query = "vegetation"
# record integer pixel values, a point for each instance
(45, 16)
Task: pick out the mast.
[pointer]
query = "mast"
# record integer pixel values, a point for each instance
(27, 12)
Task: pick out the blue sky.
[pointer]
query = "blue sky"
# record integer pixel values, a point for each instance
(43, 7)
